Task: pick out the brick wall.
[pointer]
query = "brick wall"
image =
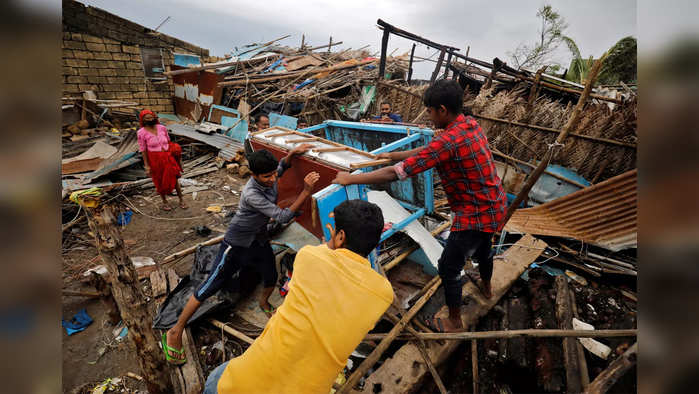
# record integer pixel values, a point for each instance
(101, 52)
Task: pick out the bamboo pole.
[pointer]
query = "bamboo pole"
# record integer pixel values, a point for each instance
(529, 333)
(387, 340)
(605, 380)
(232, 331)
(423, 350)
(190, 250)
(575, 116)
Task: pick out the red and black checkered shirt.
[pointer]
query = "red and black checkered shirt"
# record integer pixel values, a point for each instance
(465, 166)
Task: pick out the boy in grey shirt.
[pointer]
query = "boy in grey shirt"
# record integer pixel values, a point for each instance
(246, 242)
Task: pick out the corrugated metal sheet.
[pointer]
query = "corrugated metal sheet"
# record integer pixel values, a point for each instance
(227, 145)
(126, 155)
(603, 214)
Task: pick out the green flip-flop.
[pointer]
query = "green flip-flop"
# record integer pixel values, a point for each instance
(167, 349)
(269, 312)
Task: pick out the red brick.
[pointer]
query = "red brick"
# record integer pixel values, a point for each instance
(73, 88)
(76, 79)
(134, 66)
(99, 63)
(76, 37)
(113, 47)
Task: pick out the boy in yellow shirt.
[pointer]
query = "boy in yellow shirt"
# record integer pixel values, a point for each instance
(334, 299)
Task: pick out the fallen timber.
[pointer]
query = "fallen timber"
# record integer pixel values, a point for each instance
(404, 373)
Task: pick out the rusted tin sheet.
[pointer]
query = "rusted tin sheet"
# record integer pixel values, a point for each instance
(603, 214)
(196, 87)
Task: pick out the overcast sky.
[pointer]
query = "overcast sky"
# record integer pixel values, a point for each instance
(490, 28)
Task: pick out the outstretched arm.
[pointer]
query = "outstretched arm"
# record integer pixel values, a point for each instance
(296, 151)
(382, 175)
(399, 155)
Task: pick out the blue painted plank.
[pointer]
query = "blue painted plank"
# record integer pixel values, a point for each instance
(232, 111)
(276, 119)
(402, 224)
(398, 144)
(186, 60)
(239, 130)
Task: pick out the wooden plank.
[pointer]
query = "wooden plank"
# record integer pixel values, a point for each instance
(399, 374)
(191, 375)
(158, 283)
(299, 140)
(321, 150)
(474, 364)
(617, 368)
(564, 315)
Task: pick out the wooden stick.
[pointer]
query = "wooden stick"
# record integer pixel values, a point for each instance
(474, 365)
(371, 163)
(337, 67)
(423, 350)
(605, 380)
(573, 120)
(213, 66)
(232, 331)
(552, 130)
(387, 340)
(572, 182)
(299, 140)
(519, 124)
(280, 134)
(190, 250)
(529, 333)
(322, 150)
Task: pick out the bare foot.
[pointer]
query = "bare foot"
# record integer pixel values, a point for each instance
(183, 205)
(174, 341)
(441, 324)
(166, 207)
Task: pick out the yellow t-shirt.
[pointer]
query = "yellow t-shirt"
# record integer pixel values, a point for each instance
(334, 299)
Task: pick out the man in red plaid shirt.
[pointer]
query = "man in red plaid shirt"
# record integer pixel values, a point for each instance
(464, 162)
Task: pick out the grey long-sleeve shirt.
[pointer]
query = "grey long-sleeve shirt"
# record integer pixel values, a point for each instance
(258, 203)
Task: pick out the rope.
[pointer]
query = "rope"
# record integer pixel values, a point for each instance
(133, 207)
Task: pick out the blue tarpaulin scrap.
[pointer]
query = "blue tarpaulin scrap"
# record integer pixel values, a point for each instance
(77, 323)
(276, 119)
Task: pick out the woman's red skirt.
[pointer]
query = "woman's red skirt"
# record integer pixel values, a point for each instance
(164, 168)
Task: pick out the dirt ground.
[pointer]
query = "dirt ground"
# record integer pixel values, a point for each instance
(93, 355)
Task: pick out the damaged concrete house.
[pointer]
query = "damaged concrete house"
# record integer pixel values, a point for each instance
(563, 313)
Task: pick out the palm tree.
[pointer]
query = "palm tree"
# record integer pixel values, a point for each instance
(619, 65)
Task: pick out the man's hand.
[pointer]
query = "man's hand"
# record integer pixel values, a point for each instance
(438, 132)
(303, 148)
(342, 178)
(385, 155)
(310, 180)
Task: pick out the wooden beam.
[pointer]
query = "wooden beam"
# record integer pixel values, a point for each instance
(413, 248)
(617, 368)
(435, 73)
(410, 65)
(528, 333)
(573, 120)
(564, 315)
(128, 295)
(232, 331)
(214, 66)
(386, 341)
(191, 249)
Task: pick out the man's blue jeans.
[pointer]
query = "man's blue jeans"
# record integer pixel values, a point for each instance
(212, 380)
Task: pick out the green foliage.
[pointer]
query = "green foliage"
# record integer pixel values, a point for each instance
(619, 65)
(550, 37)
